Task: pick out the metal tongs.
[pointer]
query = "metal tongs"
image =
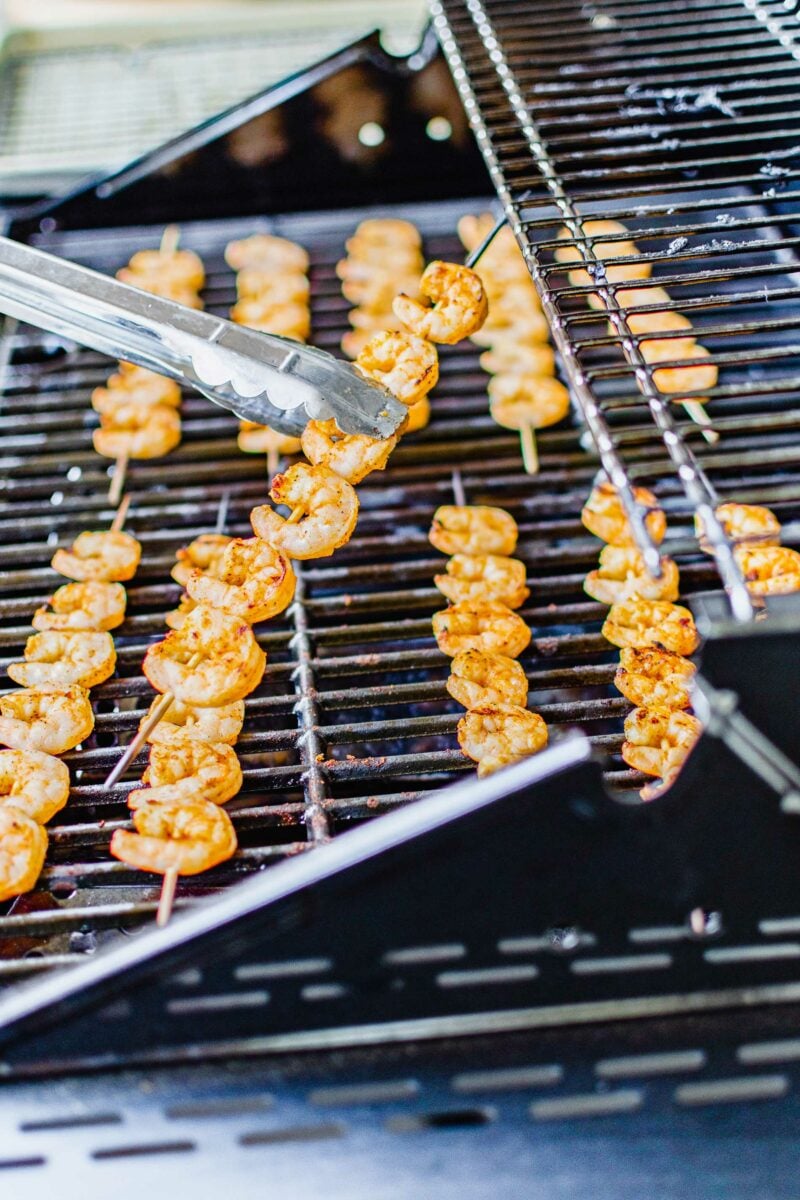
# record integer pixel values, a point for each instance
(258, 376)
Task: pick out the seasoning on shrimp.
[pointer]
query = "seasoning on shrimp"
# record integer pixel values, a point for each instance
(473, 529)
(604, 516)
(406, 365)
(181, 265)
(260, 439)
(60, 659)
(623, 575)
(185, 769)
(458, 304)
(496, 735)
(23, 846)
(265, 252)
(652, 677)
(231, 663)
(642, 623)
(187, 837)
(285, 288)
(324, 512)
(488, 626)
(353, 456)
(523, 398)
(83, 606)
(750, 523)
(484, 577)
(252, 580)
(146, 432)
(49, 719)
(528, 327)
(769, 570)
(176, 616)
(203, 554)
(510, 356)
(36, 784)
(107, 557)
(419, 415)
(136, 384)
(184, 721)
(286, 320)
(679, 377)
(604, 251)
(658, 740)
(478, 678)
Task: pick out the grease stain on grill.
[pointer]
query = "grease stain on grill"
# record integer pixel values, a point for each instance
(457, 1118)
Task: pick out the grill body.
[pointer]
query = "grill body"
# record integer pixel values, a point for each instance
(355, 677)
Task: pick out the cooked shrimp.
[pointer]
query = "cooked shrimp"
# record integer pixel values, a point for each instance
(355, 340)
(661, 349)
(419, 415)
(253, 580)
(260, 439)
(171, 288)
(509, 302)
(286, 320)
(183, 265)
(176, 617)
(176, 836)
(386, 231)
(324, 512)
(623, 575)
(282, 325)
(473, 529)
(642, 623)
(683, 379)
(231, 661)
(604, 251)
(136, 383)
(185, 721)
(665, 321)
(80, 606)
(407, 365)
(528, 326)
(477, 678)
(107, 557)
(59, 659)
(49, 719)
(472, 578)
(256, 284)
(184, 769)
(23, 846)
(488, 626)
(604, 516)
(749, 523)
(263, 252)
(370, 261)
(203, 554)
(353, 456)
(374, 322)
(524, 398)
(652, 677)
(658, 740)
(376, 291)
(34, 783)
(769, 570)
(137, 431)
(516, 357)
(495, 735)
(458, 304)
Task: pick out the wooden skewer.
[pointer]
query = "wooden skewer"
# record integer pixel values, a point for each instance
(122, 512)
(273, 462)
(459, 495)
(167, 897)
(530, 453)
(296, 515)
(118, 480)
(169, 239)
(696, 412)
(144, 731)
(222, 511)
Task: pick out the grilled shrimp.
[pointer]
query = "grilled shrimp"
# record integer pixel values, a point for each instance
(682, 379)
(374, 321)
(60, 659)
(385, 231)
(231, 661)
(642, 623)
(182, 265)
(137, 431)
(658, 740)
(260, 439)
(83, 606)
(495, 735)
(49, 719)
(189, 837)
(34, 783)
(472, 578)
(184, 721)
(253, 580)
(419, 415)
(769, 570)
(263, 252)
(473, 529)
(623, 575)
(107, 557)
(520, 399)
(324, 512)
(374, 292)
(527, 326)
(458, 304)
(176, 616)
(184, 769)
(477, 678)
(507, 356)
(286, 320)
(407, 365)
(256, 284)
(136, 384)
(604, 516)
(203, 554)
(23, 845)
(743, 523)
(355, 340)
(370, 262)
(604, 251)
(487, 626)
(652, 677)
(156, 284)
(353, 456)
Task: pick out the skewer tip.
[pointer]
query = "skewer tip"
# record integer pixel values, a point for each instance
(530, 452)
(167, 897)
